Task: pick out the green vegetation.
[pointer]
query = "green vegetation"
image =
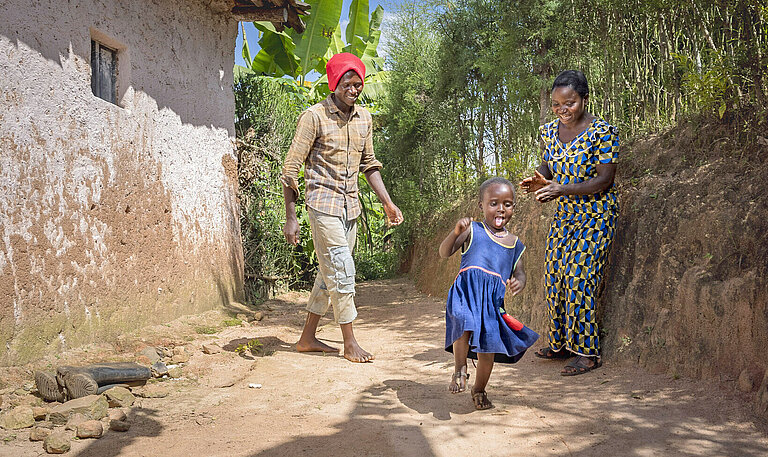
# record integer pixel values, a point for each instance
(266, 110)
(469, 81)
(233, 322)
(292, 55)
(205, 330)
(253, 346)
(465, 88)
(269, 96)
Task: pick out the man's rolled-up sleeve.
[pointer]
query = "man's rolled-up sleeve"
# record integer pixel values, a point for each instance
(306, 132)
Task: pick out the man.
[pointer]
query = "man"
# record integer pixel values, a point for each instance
(334, 141)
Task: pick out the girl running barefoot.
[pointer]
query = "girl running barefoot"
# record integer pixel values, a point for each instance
(475, 325)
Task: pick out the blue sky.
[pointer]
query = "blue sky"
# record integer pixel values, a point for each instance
(252, 33)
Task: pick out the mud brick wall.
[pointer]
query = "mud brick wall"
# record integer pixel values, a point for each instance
(113, 216)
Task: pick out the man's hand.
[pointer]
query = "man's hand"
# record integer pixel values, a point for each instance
(534, 183)
(394, 216)
(291, 230)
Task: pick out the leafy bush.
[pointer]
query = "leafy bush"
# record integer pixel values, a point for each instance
(376, 264)
(266, 110)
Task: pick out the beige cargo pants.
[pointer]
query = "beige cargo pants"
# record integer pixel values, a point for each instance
(334, 238)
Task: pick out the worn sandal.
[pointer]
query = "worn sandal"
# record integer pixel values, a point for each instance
(580, 366)
(480, 399)
(460, 379)
(549, 354)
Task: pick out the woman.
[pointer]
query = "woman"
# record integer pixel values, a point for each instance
(578, 166)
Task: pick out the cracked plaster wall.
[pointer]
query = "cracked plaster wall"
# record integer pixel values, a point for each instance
(114, 216)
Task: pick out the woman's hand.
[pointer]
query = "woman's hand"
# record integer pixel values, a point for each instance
(462, 225)
(549, 192)
(534, 183)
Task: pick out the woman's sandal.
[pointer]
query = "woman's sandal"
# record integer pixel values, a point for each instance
(459, 379)
(549, 354)
(480, 399)
(580, 366)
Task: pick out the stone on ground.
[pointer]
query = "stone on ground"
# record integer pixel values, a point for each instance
(92, 406)
(118, 397)
(117, 414)
(119, 426)
(17, 418)
(159, 369)
(90, 429)
(211, 348)
(57, 442)
(40, 412)
(152, 391)
(39, 433)
(180, 355)
(75, 420)
(175, 372)
(152, 354)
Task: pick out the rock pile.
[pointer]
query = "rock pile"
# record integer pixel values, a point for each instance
(85, 418)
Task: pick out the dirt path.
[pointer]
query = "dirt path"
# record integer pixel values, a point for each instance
(318, 405)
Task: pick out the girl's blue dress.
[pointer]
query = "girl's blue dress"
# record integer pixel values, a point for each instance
(477, 294)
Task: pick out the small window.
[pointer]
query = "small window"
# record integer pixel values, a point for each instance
(104, 72)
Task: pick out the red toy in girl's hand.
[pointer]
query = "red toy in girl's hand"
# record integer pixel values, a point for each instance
(513, 323)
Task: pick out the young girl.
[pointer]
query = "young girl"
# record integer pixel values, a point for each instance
(474, 326)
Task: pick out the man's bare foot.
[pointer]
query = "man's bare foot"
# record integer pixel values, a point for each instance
(459, 381)
(354, 353)
(314, 345)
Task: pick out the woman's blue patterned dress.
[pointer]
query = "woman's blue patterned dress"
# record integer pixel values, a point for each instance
(477, 294)
(579, 237)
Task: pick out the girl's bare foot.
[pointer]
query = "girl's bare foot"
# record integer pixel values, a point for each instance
(459, 381)
(480, 399)
(354, 353)
(314, 345)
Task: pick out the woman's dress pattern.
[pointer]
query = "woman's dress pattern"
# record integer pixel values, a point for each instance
(579, 237)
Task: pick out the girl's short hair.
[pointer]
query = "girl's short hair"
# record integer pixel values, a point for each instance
(574, 79)
(491, 181)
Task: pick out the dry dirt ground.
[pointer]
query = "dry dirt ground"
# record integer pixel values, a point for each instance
(399, 405)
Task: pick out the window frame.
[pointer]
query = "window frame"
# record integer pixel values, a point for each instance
(103, 69)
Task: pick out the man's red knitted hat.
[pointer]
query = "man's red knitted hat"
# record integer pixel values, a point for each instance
(340, 64)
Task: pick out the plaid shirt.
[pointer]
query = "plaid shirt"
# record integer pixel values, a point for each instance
(333, 152)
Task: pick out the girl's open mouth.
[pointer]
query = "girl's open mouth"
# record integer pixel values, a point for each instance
(499, 222)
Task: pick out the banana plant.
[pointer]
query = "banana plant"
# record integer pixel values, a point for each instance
(295, 55)
(276, 57)
(321, 26)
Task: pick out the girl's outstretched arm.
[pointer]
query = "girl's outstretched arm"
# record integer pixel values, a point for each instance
(517, 282)
(456, 238)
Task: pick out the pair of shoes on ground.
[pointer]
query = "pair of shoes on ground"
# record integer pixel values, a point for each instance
(581, 365)
(578, 366)
(459, 384)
